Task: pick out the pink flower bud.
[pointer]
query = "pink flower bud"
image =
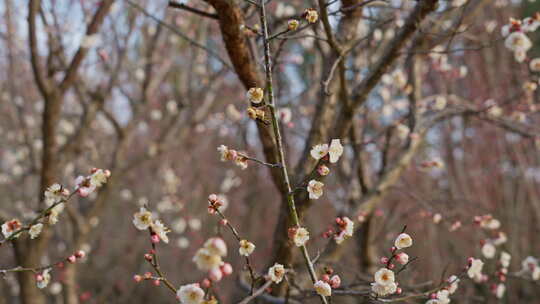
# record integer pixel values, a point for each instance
(391, 266)
(72, 259)
(154, 238)
(80, 254)
(226, 269)
(393, 249)
(215, 275)
(384, 260)
(212, 198)
(39, 277)
(206, 283)
(433, 296)
(137, 278)
(223, 222)
(147, 275)
(470, 260)
(325, 278)
(323, 170)
(399, 290)
(157, 282)
(402, 258)
(335, 281)
(148, 257)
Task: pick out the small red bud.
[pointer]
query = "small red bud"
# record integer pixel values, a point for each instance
(72, 259)
(157, 282)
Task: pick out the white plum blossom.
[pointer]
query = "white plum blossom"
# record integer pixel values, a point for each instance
(319, 151)
(43, 278)
(142, 219)
(500, 290)
(403, 241)
(322, 288)
(10, 227)
(246, 248)
(315, 189)
(335, 150)
(35, 230)
(161, 230)
(299, 236)
(384, 276)
(54, 194)
(255, 95)
(346, 226)
(454, 284)
(216, 246)
(443, 296)
(384, 290)
(505, 259)
(488, 250)
(190, 294)
(475, 268)
(276, 273)
(534, 65)
(205, 260)
(54, 213)
(518, 41)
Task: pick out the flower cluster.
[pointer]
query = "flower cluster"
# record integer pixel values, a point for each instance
(209, 258)
(327, 282)
(88, 184)
(145, 220)
(345, 229)
(515, 38)
(43, 277)
(385, 283)
(323, 152)
(227, 154)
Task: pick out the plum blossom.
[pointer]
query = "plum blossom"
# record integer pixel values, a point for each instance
(319, 151)
(160, 230)
(534, 65)
(276, 273)
(255, 95)
(246, 248)
(335, 150)
(384, 277)
(10, 227)
(190, 294)
(142, 219)
(384, 290)
(403, 241)
(205, 260)
(505, 259)
(475, 268)
(216, 246)
(500, 290)
(299, 235)
(402, 258)
(454, 284)
(35, 230)
(322, 288)
(488, 250)
(346, 227)
(315, 189)
(43, 278)
(54, 194)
